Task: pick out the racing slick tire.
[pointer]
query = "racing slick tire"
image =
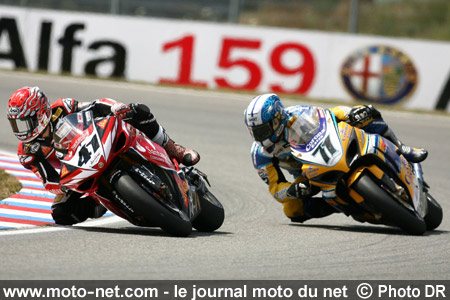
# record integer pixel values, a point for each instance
(211, 214)
(148, 207)
(391, 211)
(433, 218)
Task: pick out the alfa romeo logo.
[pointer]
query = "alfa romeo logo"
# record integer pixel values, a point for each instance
(379, 74)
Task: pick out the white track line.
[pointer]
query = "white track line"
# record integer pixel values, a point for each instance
(52, 228)
(27, 228)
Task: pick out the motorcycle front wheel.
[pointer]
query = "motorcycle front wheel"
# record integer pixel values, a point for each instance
(211, 214)
(149, 208)
(433, 218)
(391, 211)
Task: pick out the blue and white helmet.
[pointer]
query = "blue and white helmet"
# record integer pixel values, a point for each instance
(265, 119)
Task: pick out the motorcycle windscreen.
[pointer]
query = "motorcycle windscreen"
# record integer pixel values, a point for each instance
(305, 127)
(68, 128)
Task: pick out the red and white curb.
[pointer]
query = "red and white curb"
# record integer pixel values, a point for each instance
(31, 206)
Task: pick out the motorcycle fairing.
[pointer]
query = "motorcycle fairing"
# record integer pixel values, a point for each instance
(91, 152)
(153, 185)
(99, 151)
(338, 149)
(402, 169)
(324, 147)
(156, 154)
(88, 153)
(152, 152)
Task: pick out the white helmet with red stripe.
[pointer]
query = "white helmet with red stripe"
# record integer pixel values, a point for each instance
(28, 113)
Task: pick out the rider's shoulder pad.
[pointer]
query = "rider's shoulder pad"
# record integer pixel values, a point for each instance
(69, 105)
(260, 156)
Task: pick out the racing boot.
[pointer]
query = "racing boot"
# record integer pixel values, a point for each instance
(314, 207)
(71, 208)
(187, 157)
(414, 155)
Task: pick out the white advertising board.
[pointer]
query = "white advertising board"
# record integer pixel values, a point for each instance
(411, 73)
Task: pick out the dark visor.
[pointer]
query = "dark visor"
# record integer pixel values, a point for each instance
(262, 132)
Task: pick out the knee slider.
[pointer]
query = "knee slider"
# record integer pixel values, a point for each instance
(62, 216)
(293, 208)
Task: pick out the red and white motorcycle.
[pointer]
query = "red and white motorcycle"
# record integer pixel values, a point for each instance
(133, 177)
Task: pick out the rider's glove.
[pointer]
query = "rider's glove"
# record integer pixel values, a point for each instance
(123, 111)
(141, 112)
(360, 115)
(299, 190)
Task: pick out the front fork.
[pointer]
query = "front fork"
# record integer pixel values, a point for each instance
(197, 186)
(422, 208)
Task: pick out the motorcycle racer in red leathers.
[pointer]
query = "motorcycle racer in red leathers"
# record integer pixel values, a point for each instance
(33, 120)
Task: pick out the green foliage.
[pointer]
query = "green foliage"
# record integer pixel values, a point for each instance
(9, 185)
(425, 19)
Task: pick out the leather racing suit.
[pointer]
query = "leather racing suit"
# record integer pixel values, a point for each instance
(39, 156)
(270, 162)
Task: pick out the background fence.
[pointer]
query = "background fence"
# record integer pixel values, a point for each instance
(426, 19)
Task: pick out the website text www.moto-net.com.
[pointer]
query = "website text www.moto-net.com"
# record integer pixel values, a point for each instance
(223, 289)
(79, 292)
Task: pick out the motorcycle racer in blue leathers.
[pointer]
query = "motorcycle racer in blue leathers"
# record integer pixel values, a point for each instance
(268, 122)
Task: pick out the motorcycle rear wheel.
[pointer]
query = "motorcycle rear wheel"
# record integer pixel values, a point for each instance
(211, 214)
(390, 209)
(150, 208)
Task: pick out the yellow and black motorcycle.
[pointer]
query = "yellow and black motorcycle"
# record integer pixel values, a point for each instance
(361, 174)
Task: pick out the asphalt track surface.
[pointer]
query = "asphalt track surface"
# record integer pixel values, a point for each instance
(256, 241)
